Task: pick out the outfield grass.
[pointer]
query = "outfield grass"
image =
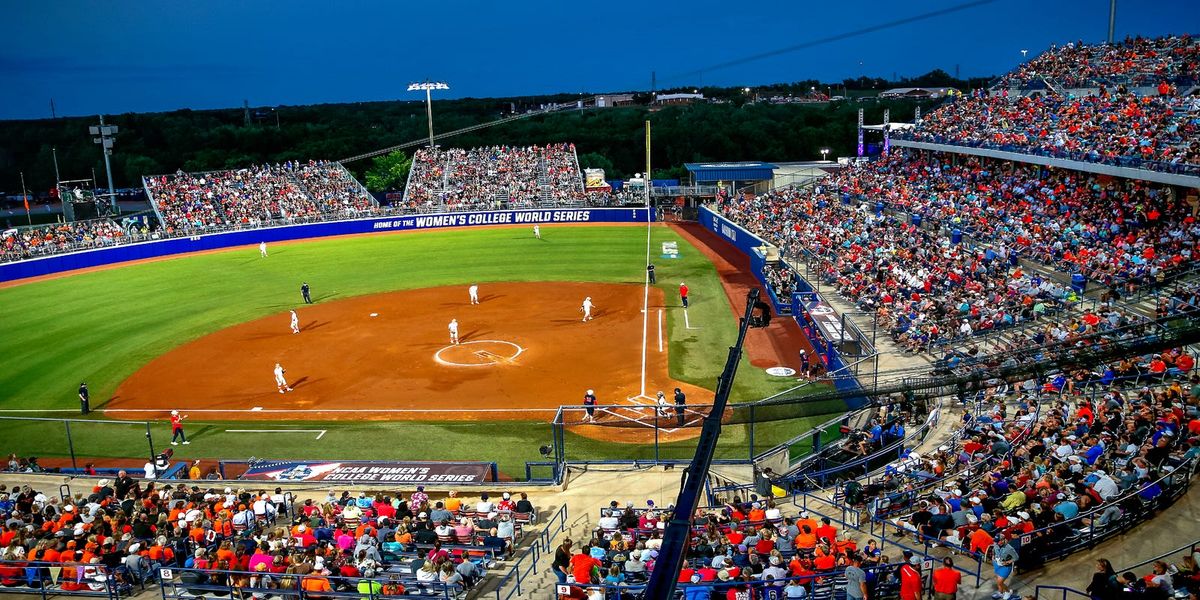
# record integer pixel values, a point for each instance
(102, 326)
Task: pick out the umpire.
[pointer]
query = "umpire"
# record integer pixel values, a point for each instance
(650, 272)
(84, 399)
(680, 403)
(304, 292)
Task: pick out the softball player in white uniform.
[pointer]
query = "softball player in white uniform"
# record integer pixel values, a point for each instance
(454, 331)
(262, 249)
(587, 308)
(295, 322)
(280, 380)
(537, 231)
(664, 409)
(474, 293)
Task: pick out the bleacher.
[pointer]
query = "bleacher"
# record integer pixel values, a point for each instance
(259, 196)
(494, 177)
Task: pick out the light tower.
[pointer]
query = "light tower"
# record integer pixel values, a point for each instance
(106, 142)
(428, 86)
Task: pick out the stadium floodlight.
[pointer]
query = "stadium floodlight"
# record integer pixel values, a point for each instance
(1023, 53)
(824, 153)
(106, 143)
(428, 87)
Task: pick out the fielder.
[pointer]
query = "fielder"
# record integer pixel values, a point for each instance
(454, 331)
(262, 249)
(587, 308)
(473, 291)
(280, 380)
(537, 232)
(295, 322)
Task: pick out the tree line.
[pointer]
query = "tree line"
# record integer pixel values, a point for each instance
(736, 128)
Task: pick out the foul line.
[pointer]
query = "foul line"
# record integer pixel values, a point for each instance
(320, 432)
(330, 410)
(686, 323)
(660, 347)
(646, 292)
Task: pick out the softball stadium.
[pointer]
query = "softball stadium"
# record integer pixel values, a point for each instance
(958, 364)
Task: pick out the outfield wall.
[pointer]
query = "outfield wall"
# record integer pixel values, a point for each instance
(59, 263)
(748, 244)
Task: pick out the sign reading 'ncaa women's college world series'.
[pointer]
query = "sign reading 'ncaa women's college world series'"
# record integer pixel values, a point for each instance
(506, 217)
(381, 472)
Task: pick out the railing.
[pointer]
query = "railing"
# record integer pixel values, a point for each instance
(1189, 548)
(1130, 162)
(820, 585)
(852, 518)
(542, 545)
(185, 584)
(1058, 592)
(60, 579)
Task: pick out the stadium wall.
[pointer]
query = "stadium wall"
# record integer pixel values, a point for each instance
(748, 244)
(60, 263)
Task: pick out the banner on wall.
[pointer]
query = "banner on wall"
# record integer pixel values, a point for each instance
(368, 472)
(826, 319)
(499, 217)
(58, 263)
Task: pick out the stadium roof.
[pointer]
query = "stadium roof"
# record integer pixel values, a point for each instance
(730, 171)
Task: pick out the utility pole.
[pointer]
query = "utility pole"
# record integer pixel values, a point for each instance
(53, 113)
(57, 177)
(246, 112)
(1112, 19)
(106, 142)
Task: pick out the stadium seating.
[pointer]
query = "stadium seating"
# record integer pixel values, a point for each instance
(41, 240)
(1117, 127)
(927, 287)
(1127, 104)
(1133, 62)
(494, 177)
(216, 543)
(257, 196)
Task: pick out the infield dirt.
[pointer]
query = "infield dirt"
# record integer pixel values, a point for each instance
(346, 364)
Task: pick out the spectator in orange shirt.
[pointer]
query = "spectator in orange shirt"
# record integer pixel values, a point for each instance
(316, 585)
(826, 531)
(946, 580)
(980, 541)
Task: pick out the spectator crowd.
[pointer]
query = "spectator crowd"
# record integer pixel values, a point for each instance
(128, 528)
(256, 196)
(494, 177)
(1135, 61)
(913, 270)
(30, 242)
(1122, 104)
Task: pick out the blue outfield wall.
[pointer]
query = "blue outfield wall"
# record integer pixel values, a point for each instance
(60, 263)
(747, 243)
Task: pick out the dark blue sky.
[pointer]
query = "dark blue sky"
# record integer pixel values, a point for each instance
(142, 55)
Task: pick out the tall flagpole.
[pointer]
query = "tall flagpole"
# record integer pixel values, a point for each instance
(25, 197)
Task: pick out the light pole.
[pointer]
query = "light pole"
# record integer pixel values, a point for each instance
(106, 142)
(1023, 53)
(428, 86)
(824, 153)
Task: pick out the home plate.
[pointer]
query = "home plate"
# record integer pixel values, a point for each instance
(374, 314)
